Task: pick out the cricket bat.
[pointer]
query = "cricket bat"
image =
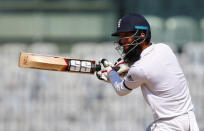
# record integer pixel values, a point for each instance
(56, 63)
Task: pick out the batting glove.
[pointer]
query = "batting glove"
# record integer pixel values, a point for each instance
(121, 67)
(106, 67)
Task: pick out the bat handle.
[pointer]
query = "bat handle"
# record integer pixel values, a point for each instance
(97, 67)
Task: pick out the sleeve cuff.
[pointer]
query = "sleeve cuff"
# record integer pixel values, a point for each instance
(126, 86)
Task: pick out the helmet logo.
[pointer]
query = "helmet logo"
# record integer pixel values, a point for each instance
(119, 22)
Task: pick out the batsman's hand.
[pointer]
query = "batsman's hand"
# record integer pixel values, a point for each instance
(106, 67)
(121, 67)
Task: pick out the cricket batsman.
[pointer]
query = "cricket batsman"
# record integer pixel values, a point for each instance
(154, 68)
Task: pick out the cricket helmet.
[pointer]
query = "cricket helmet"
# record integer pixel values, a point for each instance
(132, 23)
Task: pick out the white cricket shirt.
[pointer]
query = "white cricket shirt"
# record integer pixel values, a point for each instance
(162, 82)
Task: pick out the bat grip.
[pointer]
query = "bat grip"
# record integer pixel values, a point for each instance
(97, 67)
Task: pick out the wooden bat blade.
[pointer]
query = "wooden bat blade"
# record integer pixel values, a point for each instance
(29, 60)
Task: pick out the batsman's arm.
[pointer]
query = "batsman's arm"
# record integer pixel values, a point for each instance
(118, 84)
(134, 78)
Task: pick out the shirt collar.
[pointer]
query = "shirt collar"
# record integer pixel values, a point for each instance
(146, 50)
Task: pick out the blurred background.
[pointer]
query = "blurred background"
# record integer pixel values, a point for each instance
(33, 100)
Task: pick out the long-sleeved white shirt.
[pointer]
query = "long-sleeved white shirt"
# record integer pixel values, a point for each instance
(161, 79)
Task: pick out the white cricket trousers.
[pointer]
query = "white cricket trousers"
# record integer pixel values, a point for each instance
(185, 122)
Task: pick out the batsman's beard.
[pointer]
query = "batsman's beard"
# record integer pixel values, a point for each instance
(132, 54)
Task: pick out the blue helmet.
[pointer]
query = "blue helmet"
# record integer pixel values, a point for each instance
(132, 23)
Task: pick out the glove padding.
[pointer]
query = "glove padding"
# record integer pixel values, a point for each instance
(120, 66)
(106, 67)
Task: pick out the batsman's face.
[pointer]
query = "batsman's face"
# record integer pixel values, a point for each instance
(126, 39)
